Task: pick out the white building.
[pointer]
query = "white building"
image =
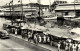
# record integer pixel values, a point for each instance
(70, 10)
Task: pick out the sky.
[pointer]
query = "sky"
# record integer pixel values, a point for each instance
(46, 2)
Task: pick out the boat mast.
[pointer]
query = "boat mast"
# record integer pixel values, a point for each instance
(22, 10)
(74, 8)
(51, 13)
(31, 5)
(50, 6)
(39, 6)
(12, 11)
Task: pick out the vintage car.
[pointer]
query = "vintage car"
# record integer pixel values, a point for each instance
(4, 34)
(6, 25)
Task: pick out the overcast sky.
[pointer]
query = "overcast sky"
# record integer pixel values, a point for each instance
(3, 2)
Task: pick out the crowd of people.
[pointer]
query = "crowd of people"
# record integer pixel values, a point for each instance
(36, 37)
(69, 46)
(66, 45)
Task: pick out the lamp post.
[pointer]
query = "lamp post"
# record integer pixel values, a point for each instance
(74, 8)
(22, 10)
(39, 10)
(11, 11)
(21, 4)
(39, 7)
(31, 6)
(21, 15)
(50, 6)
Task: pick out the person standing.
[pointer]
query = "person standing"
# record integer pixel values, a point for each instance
(34, 38)
(29, 36)
(40, 39)
(12, 30)
(62, 44)
(37, 40)
(47, 38)
(74, 47)
(78, 46)
(44, 39)
(22, 33)
(70, 46)
(8, 31)
(66, 47)
(59, 45)
(16, 32)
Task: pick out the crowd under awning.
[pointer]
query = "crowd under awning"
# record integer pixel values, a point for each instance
(59, 32)
(62, 33)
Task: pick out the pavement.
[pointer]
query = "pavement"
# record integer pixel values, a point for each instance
(19, 45)
(16, 43)
(20, 40)
(45, 46)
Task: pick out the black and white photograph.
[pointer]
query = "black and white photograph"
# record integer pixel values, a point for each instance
(39, 25)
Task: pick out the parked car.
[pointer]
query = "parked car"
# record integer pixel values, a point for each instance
(4, 34)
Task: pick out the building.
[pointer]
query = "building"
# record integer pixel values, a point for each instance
(60, 2)
(31, 8)
(68, 10)
(76, 1)
(43, 7)
(57, 2)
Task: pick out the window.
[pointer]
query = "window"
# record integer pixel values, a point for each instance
(66, 13)
(78, 13)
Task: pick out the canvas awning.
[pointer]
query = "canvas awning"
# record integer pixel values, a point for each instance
(62, 33)
(68, 7)
(19, 20)
(75, 30)
(52, 18)
(69, 16)
(76, 19)
(30, 16)
(23, 28)
(34, 29)
(77, 39)
(59, 32)
(41, 28)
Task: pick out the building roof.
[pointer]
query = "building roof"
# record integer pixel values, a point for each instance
(53, 18)
(37, 5)
(60, 2)
(71, 6)
(64, 33)
(30, 4)
(24, 9)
